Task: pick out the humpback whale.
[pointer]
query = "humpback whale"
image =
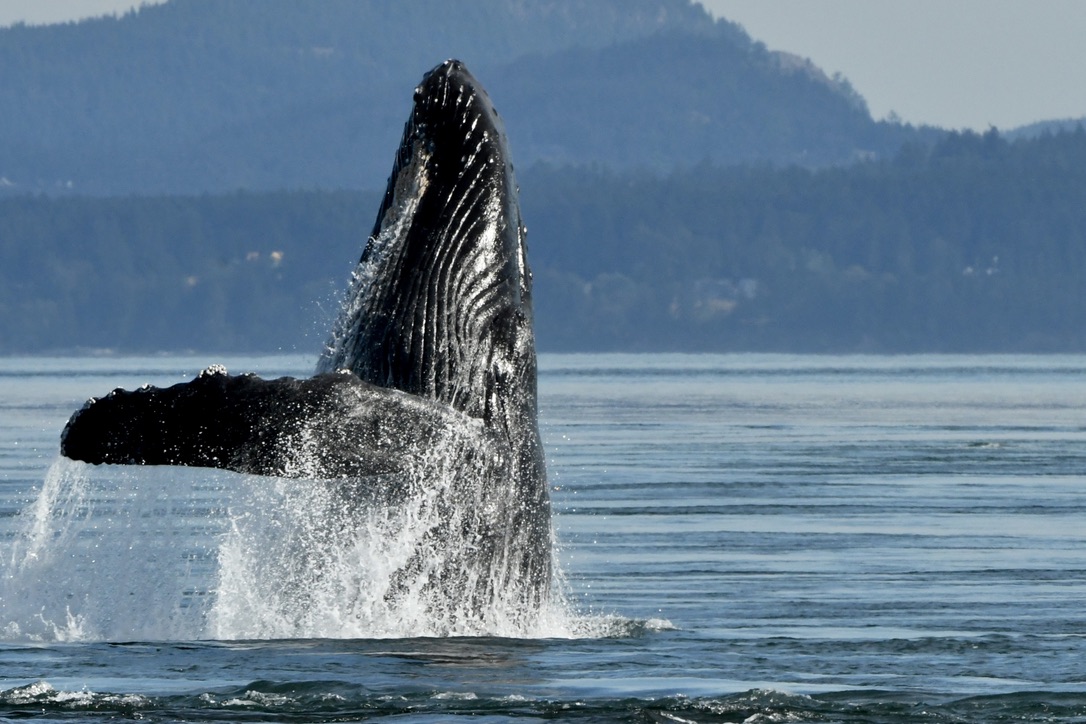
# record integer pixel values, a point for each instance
(431, 364)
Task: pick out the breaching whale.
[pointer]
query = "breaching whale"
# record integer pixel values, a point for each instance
(432, 357)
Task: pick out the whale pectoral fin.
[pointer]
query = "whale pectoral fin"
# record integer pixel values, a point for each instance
(331, 425)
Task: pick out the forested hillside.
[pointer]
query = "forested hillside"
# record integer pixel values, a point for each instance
(974, 244)
(195, 96)
(201, 174)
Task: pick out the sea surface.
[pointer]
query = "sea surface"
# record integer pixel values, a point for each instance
(742, 538)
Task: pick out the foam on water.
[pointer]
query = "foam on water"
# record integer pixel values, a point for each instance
(142, 553)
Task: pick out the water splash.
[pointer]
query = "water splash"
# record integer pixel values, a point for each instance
(303, 560)
(111, 553)
(144, 553)
(412, 554)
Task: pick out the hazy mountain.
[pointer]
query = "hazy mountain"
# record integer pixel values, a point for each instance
(685, 188)
(213, 95)
(682, 98)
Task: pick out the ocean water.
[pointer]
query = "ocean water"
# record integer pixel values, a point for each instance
(755, 538)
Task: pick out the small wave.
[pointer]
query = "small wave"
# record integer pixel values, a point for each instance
(329, 700)
(43, 694)
(570, 625)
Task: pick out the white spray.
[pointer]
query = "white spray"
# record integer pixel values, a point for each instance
(143, 553)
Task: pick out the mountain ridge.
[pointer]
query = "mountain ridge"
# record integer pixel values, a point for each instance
(196, 96)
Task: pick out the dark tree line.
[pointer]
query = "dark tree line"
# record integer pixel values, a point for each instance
(234, 272)
(973, 244)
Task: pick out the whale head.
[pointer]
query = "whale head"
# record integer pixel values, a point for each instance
(440, 304)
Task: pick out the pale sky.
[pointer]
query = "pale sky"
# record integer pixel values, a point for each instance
(44, 12)
(950, 63)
